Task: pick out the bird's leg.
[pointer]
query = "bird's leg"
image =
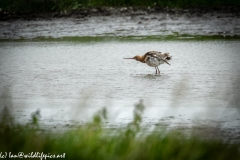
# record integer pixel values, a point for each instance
(158, 70)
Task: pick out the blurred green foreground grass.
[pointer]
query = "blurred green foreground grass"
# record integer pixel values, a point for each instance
(93, 141)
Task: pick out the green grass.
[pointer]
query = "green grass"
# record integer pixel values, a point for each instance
(94, 39)
(93, 141)
(60, 5)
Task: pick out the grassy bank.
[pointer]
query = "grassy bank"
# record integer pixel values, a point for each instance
(89, 39)
(93, 141)
(69, 5)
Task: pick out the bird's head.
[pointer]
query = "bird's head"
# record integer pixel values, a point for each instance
(137, 58)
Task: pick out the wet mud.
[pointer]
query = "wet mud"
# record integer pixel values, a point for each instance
(123, 22)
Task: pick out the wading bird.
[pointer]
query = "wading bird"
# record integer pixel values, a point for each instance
(153, 59)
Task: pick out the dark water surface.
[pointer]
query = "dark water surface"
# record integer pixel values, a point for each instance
(70, 81)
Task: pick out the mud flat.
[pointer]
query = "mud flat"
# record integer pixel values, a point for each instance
(123, 22)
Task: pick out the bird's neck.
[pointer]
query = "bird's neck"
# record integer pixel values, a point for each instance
(141, 58)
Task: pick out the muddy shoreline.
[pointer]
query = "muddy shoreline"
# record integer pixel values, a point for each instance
(122, 22)
(119, 11)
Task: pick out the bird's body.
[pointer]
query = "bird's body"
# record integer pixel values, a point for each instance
(153, 59)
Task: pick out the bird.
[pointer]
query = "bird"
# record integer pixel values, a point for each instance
(153, 59)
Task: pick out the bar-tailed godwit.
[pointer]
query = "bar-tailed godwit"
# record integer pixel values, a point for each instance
(153, 59)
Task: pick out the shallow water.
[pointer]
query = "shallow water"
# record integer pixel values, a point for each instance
(70, 81)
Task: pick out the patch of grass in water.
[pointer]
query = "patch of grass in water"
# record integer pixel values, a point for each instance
(94, 141)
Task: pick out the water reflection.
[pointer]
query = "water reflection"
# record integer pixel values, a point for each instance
(151, 76)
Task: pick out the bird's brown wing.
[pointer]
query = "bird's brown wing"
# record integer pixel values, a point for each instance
(165, 57)
(155, 54)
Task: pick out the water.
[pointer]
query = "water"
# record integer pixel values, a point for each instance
(70, 81)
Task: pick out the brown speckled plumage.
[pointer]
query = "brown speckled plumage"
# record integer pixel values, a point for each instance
(153, 59)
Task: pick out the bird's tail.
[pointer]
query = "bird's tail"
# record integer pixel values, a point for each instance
(167, 56)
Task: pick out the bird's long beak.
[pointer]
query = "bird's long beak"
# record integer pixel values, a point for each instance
(166, 62)
(128, 58)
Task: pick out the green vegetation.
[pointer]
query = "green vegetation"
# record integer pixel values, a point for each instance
(90, 39)
(93, 141)
(60, 5)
